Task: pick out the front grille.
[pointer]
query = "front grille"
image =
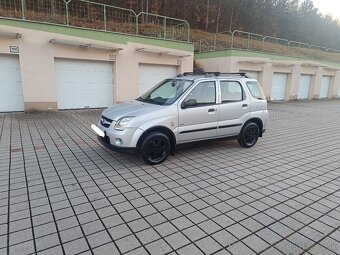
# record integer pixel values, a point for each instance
(105, 122)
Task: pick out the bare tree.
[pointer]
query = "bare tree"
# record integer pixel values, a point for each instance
(207, 17)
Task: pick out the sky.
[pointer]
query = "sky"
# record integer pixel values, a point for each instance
(329, 7)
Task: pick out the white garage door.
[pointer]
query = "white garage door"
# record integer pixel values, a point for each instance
(326, 80)
(150, 75)
(251, 74)
(304, 86)
(279, 86)
(11, 96)
(84, 84)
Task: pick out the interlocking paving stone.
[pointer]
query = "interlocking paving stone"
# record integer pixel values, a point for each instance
(158, 247)
(208, 245)
(22, 248)
(106, 249)
(177, 240)
(128, 243)
(194, 233)
(240, 249)
(52, 251)
(71, 234)
(279, 197)
(47, 242)
(190, 249)
(224, 238)
(256, 243)
(148, 236)
(3, 241)
(165, 229)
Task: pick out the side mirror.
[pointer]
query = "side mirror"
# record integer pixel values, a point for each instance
(189, 103)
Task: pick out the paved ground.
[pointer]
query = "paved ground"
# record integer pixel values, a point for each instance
(63, 193)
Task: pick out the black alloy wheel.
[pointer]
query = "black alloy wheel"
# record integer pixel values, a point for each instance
(249, 135)
(155, 148)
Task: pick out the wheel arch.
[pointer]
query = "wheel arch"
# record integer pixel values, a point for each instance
(163, 130)
(257, 121)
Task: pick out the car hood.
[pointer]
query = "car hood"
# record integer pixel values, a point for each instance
(133, 108)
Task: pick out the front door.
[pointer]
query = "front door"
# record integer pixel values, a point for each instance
(199, 120)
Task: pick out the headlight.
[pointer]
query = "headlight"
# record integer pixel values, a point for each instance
(122, 123)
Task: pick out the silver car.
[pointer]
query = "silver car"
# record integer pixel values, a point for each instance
(189, 107)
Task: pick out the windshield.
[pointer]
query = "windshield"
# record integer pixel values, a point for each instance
(166, 92)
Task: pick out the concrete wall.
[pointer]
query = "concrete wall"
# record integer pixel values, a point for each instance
(267, 65)
(37, 59)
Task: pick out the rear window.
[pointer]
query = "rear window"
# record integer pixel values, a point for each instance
(255, 89)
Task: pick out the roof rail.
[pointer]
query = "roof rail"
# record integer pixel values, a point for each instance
(214, 73)
(201, 73)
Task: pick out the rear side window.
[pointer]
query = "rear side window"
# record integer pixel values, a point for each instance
(255, 89)
(231, 91)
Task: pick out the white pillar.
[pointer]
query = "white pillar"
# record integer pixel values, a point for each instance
(316, 83)
(267, 78)
(293, 83)
(334, 91)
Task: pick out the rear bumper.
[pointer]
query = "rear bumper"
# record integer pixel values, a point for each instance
(106, 142)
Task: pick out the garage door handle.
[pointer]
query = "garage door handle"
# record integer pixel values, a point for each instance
(244, 105)
(211, 110)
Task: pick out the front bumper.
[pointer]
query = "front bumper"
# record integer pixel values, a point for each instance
(108, 137)
(106, 142)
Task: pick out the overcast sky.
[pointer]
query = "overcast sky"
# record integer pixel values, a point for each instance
(329, 6)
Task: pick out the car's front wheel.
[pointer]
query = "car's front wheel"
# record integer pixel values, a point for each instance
(155, 148)
(249, 135)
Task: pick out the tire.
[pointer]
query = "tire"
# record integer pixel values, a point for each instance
(155, 148)
(249, 135)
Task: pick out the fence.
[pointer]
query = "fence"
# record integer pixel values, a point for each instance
(261, 43)
(94, 15)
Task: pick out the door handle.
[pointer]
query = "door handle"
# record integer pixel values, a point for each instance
(212, 110)
(244, 105)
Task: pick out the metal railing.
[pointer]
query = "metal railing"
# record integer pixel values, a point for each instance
(162, 26)
(253, 41)
(104, 17)
(262, 43)
(98, 16)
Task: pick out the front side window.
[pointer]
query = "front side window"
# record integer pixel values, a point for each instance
(255, 89)
(231, 91)
(203, 94)
(166, 92)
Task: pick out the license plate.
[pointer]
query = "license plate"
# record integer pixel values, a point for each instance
(97, 130)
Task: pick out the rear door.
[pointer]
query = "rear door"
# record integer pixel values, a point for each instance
(199, 121)
(234, 108)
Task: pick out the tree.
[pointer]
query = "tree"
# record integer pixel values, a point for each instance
(292, 19)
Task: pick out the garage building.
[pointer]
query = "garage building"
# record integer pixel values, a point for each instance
(45, 67)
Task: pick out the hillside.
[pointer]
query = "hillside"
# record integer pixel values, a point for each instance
(88, 14)
(297, 20)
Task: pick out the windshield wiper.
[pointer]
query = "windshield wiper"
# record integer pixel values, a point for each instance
(141, 99)
(149, 100)
(160, 100)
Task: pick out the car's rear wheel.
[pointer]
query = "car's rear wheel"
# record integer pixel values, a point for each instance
(249, 135)
(155, 148)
